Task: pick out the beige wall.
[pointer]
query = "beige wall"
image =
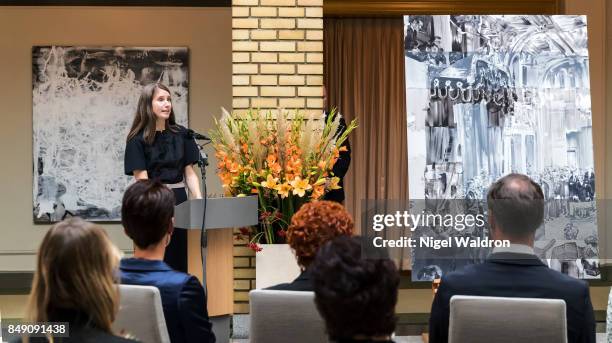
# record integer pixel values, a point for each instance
(207, 33)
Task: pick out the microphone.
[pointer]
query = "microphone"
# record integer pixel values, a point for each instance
(195, 135)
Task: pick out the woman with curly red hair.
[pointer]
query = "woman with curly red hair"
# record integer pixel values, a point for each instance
(311, 226)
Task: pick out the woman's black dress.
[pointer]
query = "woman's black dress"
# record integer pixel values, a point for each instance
(165, 160)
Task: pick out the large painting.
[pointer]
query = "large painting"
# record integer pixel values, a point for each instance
(84, 99)
(496, 94)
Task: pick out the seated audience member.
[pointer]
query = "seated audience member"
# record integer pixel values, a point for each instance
(311, 226)
(147, 215)
(516, 209)
(75, 283)
(355, 296)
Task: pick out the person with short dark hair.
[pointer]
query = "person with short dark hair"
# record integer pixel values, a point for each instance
(147, 215)
(516, 210)
(355, 296)
(311, 226)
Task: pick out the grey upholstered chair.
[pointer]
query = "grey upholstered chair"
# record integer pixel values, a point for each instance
(141, 314)
(492, 319)
(609, 319)
(285, 316)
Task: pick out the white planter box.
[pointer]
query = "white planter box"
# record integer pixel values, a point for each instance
(275, 264)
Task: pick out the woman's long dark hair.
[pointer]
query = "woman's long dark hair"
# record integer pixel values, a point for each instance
(144, 120)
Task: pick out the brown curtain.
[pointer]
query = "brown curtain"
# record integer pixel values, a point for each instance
(364, 77)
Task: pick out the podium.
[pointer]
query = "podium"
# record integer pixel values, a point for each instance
(222, 215)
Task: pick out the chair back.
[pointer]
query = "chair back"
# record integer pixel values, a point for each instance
(141, 314)
(504, 320)
(285, 316)
(609, 319)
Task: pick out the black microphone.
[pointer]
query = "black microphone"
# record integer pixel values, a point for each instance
(195, 135)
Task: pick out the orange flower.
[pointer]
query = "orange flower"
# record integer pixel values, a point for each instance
(342, 148)
(333, 183)
(300, 186)
(317, 192)
(271, 159)
(234, 168)
(291, 149)
(270, 182)
(283, 189)
(226, 179)
(276, 169)
(333, 160)
(294, 164)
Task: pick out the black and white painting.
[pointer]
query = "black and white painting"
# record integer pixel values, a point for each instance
(488, 95)
(84, 100)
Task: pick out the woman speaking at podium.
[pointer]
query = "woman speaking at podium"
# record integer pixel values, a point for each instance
(158, 148)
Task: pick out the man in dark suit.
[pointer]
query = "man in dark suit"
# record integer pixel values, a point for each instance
(516, 209)
(147, 216)
(341, 166)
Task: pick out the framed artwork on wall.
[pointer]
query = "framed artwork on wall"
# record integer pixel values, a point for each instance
(83, 103)
(489, 95)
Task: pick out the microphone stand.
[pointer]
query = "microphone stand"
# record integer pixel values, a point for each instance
(203, 163)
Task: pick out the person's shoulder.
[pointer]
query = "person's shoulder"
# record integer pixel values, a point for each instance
(180, 129)
(178, 279)
(279, 287)
(88, 335)
(167, 278)
(108, 338)
(566, 282)
(461, 274)
(92, 335)
(191, 280)
(296, 285)
(138, 137)
(462, 279)
(191, 288)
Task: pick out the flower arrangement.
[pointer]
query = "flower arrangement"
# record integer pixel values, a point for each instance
(285, 158)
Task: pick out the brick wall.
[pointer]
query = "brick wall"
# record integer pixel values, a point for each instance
(277, 57)
(277, 54)
(244, 275)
